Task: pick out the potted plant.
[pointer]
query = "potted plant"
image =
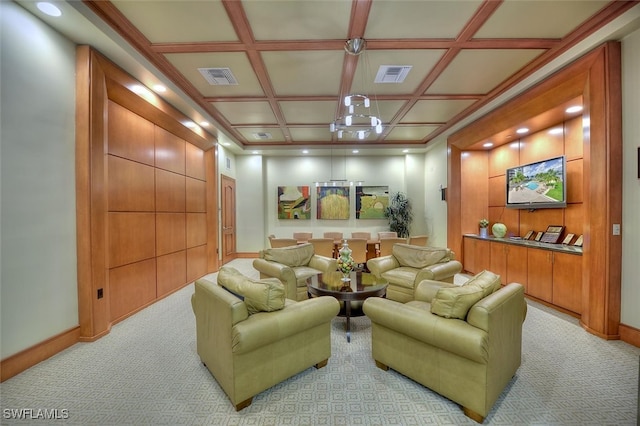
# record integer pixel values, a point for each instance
(399, 214)
(483, 227)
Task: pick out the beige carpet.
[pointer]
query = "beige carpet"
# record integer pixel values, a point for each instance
(146, 371)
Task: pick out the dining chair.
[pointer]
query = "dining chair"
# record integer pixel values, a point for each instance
(386, 244)
(323, 246)
(336, 236)
(282, 242)
(418, 240)
(365, 235)
(358, 248)
(302, 236)
(387, 234)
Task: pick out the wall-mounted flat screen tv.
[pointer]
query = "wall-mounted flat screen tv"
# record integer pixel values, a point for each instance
(538, 185)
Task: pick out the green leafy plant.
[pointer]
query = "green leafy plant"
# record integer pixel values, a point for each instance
(484, 223)
(400, 214)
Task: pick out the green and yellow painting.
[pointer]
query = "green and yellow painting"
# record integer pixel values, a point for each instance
(333, 202)
(294, 202)
(371, 201)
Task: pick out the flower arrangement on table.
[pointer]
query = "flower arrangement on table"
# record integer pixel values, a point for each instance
(484, 223)
(346, 264)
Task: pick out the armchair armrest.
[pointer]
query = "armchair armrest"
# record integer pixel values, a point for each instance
(380, 265)
(452, 335)
(439, 271)
(323, 263)
(426, 289)
(284, 273)
(266, 327)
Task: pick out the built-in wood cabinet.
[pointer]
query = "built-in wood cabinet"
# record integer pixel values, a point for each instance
(547, 273)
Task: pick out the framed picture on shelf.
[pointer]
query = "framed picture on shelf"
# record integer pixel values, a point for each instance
(528, 235)
(552, 234)
(539, 236)
(568, 239)
(578, 242)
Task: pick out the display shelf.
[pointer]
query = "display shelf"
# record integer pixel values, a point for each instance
(534, 244)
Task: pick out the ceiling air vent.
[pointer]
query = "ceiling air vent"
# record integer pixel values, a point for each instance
(262, 136)
(219, 76)
(392, 73)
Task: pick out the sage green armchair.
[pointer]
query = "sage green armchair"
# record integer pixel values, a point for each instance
(251, 338)
(463, 342)
(292, 266)
(408, 265)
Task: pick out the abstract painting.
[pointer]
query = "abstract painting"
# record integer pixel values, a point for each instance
(333, 202)
(371, 201)
(294, 202)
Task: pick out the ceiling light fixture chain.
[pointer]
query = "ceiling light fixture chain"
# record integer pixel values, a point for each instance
(356, 120)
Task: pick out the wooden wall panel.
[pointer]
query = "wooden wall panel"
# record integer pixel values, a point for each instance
(131, 237)
(196, 196)
(196, 263)
(170, 232)
(196, 229)
(130, 136)
(540, 146)
(195, 164)
(169, 151)
(502, 158)
(172, 272)
(574, 181)
(170, 192)
(574, 219)
(510, 218)
(497, 191)
(573, 138)
(539, 220)
(131, 185)
(474, 190)
(131, 287)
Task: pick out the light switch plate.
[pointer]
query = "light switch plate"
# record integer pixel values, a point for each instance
(616, 229)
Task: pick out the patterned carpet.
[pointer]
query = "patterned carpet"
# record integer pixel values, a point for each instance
(146, 371)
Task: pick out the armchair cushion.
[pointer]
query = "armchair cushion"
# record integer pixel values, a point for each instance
(419, 258)
(487, 280)
(455, 302)
(265, 295)
(292, 256)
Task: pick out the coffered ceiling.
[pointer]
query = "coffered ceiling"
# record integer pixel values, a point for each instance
(291, 68)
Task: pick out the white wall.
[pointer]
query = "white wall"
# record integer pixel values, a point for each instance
(38, 284)
(435, 175)
(630, 314)
(250, 215)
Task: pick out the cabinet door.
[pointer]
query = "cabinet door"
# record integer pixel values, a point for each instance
(482, 255)
(516, 266)
(567, 281)
(540, 274)
(468, 254)
(499, 260)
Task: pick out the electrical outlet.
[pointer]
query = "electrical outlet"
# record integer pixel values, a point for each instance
(616, 229)
(100, 293)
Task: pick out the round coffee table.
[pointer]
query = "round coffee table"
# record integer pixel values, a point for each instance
(360, 286)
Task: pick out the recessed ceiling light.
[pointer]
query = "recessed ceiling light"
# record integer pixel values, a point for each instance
(159, 88)
(522, 130)
(556, 131)
(487, 144)
(204, 123)
(190, 124)
(226, 143)
(254, 152)
(355, 151)
(405, 151)
(573, 109)
(304, 151)
(49, 8)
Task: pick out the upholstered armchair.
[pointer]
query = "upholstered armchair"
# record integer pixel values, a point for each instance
(408, 265)
(292, 266)
(251, 338)
(463, 342)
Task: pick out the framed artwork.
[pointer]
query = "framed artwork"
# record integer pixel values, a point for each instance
(371, 201)
(578, 242)
(333, 202)
(294, 202)
(568, 238)
(539, 236)
(528, 235)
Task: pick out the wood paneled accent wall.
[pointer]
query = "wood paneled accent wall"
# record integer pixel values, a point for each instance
(595, 200)
(146, 197)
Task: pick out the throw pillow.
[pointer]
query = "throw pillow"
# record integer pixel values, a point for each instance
(487, 280)
(455, 302)
(421, 257)
(293, 256)
(264, 295)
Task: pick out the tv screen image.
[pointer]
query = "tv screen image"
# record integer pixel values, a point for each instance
(537, 185)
